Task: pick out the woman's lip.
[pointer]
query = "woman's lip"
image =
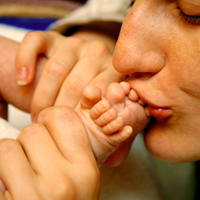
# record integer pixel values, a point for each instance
(160, 113)
(156, 111)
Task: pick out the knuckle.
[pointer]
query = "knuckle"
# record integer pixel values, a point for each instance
(56, 113)
(62, 114)
(30, 132)
(55, 69)
(101, 48)
(40, 102)
(54, 33)
(92, 176)
(7, 146)
(75, 84)
(91, 169)
(34, 36)
(74, 41)
(95, 173)
(63, 189)
(101, 45)
(36, 107)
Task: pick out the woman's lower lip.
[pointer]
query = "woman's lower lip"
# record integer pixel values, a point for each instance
(160, 113)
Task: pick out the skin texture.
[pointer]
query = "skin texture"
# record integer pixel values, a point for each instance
(52, 159)
(73, 62)
(160, 52)
(163, 63)
(102, 72)
(21, 97)
(88, 60)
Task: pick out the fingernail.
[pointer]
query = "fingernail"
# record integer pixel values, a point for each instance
(22, 75)
(34, 118)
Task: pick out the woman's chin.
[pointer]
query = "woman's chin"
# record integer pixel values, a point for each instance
(168, 146)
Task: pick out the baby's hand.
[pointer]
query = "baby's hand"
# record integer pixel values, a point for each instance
(72, 64)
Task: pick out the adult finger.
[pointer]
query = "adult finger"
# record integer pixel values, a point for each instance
(102, 57)
(2, 197)
(109, 75)
(81, 75)
(2, 187)
(65, 125)
(51, 79)
(64, 56)
(26, 57)
(14, 166)
(39, 147)
(56, 176)
(69, 134)
(94, 67)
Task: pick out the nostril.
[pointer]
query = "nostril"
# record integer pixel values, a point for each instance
(138, 74)
(141, 75)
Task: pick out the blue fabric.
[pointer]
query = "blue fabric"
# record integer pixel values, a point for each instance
(28, 23)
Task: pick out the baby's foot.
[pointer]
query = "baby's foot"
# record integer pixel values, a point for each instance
(109, 121)
(128, 106)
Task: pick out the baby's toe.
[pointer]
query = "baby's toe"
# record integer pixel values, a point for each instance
(121, 135)
(113, 126)
(91, 95)
(115, 94)
(133, 96)
(126, 87)
(106, 117)
(98, 109)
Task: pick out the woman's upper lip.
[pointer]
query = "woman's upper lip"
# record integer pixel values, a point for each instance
(149, 103)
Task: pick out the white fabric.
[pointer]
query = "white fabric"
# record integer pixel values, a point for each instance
(94, 10)
(7, 131)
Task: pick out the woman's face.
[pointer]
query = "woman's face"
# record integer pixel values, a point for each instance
(159, 47)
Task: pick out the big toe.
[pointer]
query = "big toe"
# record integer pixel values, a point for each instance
(91, 96)
(115, 94)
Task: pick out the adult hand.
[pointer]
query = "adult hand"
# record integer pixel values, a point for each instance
(50, 160)
(72, 64)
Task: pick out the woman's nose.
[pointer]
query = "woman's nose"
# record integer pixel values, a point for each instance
(139, 47)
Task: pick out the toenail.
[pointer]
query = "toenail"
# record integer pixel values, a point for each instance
(141, 102)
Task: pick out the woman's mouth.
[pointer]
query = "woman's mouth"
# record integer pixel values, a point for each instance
(155, 111)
